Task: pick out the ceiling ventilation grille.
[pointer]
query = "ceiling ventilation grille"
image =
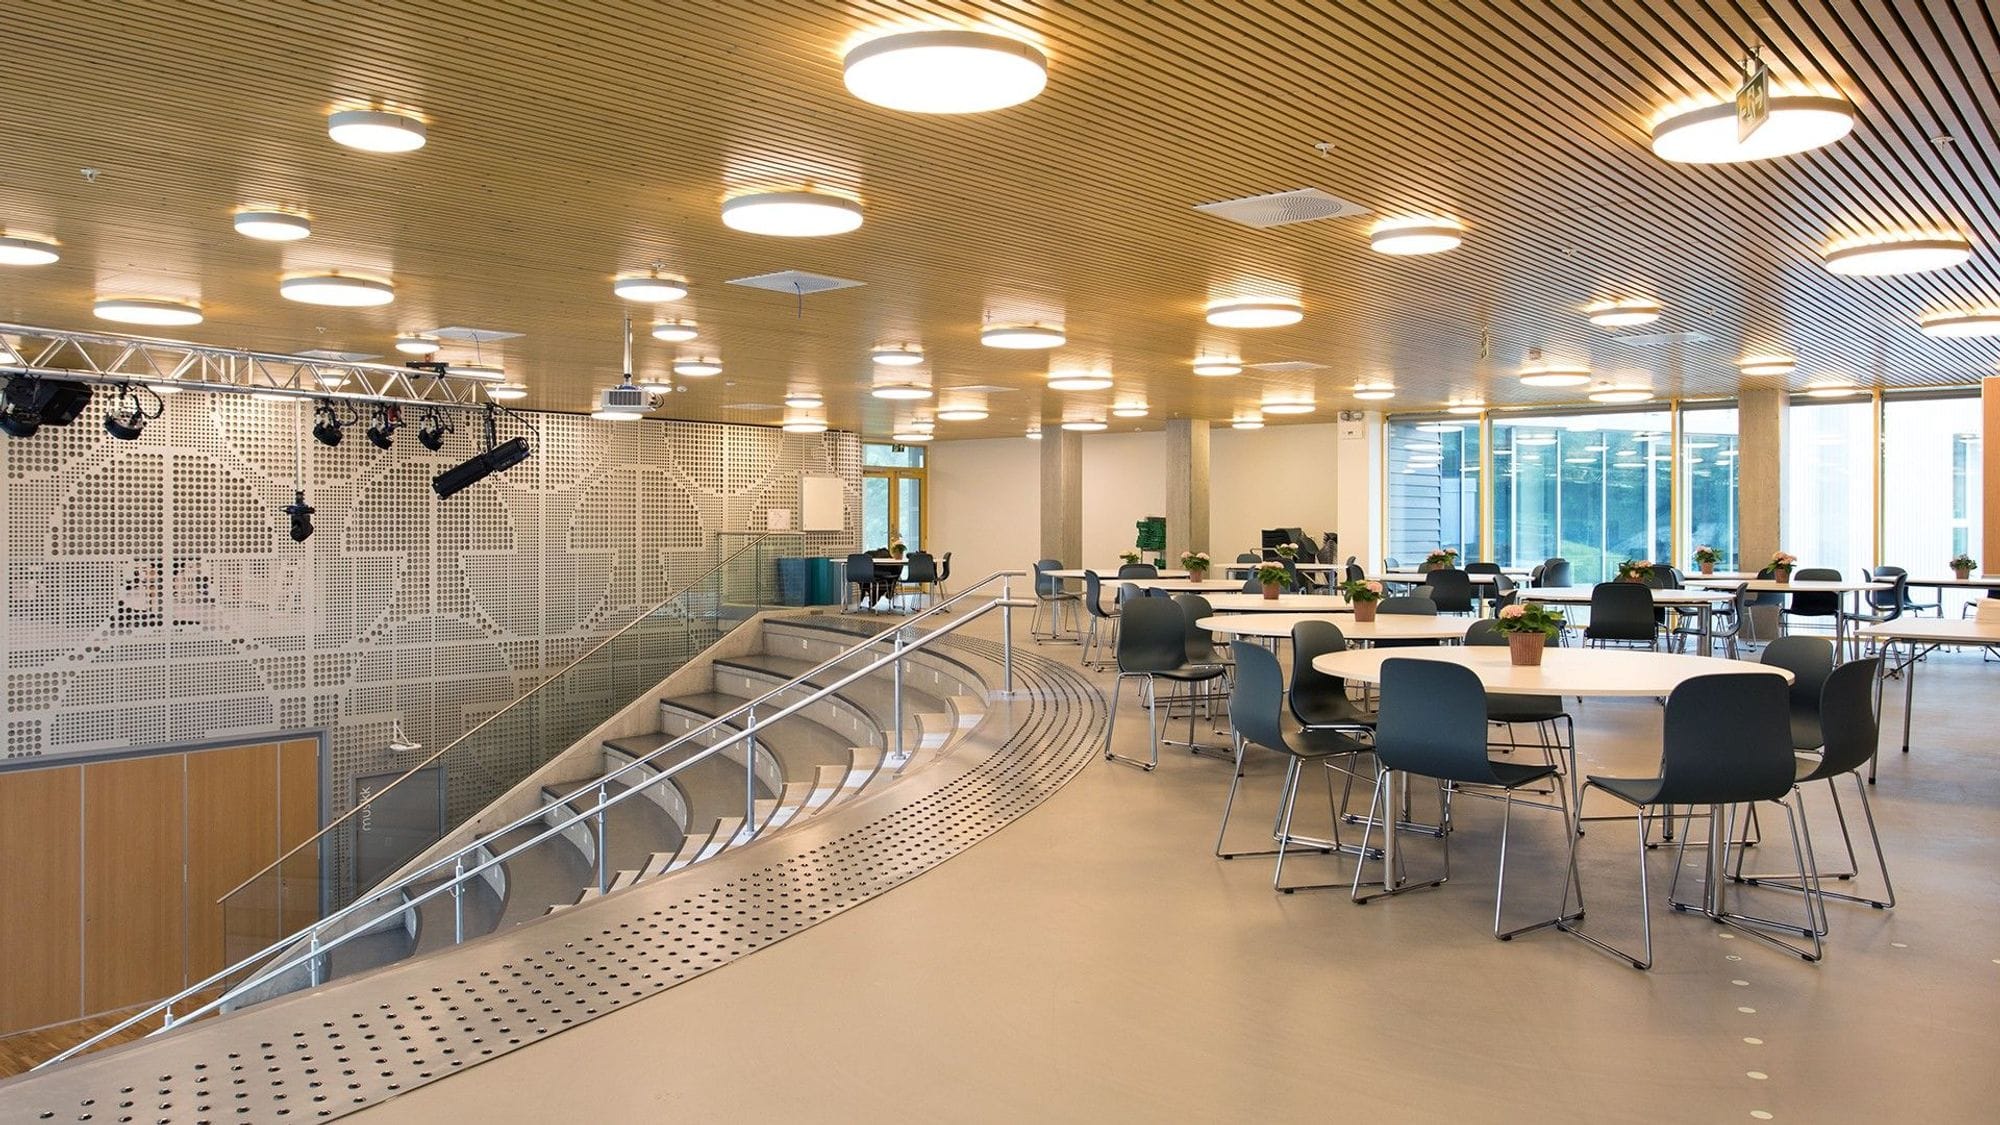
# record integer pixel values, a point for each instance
(1280, 208)
(795, 282)
(471, 335)
(1287, 366)
(1661, 339)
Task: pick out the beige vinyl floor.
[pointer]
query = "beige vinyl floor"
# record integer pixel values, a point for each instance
(1094, 962)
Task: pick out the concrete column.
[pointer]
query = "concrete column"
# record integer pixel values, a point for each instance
(1989, 551)
(1187, 489)
(1760, 474)
(1062, 497)
(1358, 487)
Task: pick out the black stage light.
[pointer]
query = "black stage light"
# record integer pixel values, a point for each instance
(508, 454)
(431, 432)
(29, 404)
(382, 431)
(328, 429)
(301, 513)
(127, 417)
(499, 459)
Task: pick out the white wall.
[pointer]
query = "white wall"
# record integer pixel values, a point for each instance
(1124, 480)
(985, 505)
(1280, 476)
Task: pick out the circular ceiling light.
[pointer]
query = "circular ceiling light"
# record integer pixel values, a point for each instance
(896, 392)
(416, 345)
(22, 250)
(1896, 254)
(1256, 312)
(791, 214)
(156, 311)
(616, 415)
(1708, 134)
(373, 130)
(1622, 314)
(1465, 408)
(1369, 392)
(1128, 410)
(1621, 394)
(1079, 381)
(1767, 365)
(1218, 366)
(1246, 424)
(1416, 235)
(658, 384)
(507, 392)
(1961, 323)
(805, 426)
(911, 437)
(945, 71)
(1553, 375)
(697, 367)
(273, 226)
(804, 400)
(675, 331)
(484, 372)
(650, 288)
(1022, 337)
(896, 357)
(1831, 389)
(1086, 425)
(962, 414)
(1034, 433)
(1288, 406)
(337, 290)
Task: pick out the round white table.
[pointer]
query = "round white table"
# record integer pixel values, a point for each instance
(1419, 577)
(1701, 601)
(1385, 627)
(1107, 573)
(1283, 603)
(1183, 585)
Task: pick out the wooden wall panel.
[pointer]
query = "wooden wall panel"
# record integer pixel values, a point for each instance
(232, 829)
(135, 818)
(41, 885)
(298, 818)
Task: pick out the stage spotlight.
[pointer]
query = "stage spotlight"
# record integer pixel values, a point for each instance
(30, 403)
(382, 431)
(128, 415)
(328, 427)
(499, 459)
(431, 432)
(301, 513)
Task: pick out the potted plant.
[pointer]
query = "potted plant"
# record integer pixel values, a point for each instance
(1528, 628)
(1362, 595)
(1781, 566)
(1129, 556)
(1635, 570)
(1444, 558)
(1286, 551)
(896, 547)
(1196, 564)
(1706, 557)
(1963, 565)
(1272, 578)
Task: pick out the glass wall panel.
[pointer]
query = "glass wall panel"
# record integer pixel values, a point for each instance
(1433, 488)
(1829, 517)
(1708, 485)
(1591, 488)
(1931, 489)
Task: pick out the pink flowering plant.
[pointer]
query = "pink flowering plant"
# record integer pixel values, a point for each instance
(1192, 561)
(1707, 554)
(1286, 550)
(1530, 618)
(1442, 557)
(1271, 575)
(1783, 561)
(1358, 590)
(1635, 570)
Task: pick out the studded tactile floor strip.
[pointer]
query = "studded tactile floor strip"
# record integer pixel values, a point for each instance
(315, 1056)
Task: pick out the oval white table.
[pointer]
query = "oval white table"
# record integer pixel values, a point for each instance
(1853, 589)
(1701, 601)
(1580, 672)
(1385, 627)
(1283, 603)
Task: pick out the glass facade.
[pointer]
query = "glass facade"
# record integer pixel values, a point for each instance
(1931, 488)
(1433, 488)
(1830, 466)
(1595, 489)
(1708, 485)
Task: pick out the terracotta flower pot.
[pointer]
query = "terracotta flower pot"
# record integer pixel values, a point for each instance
(1198, 573)
(1526, 648)
(1708, 568)
(1271, 591)
(1364, 611)
(1962, 571)
(1781, 574)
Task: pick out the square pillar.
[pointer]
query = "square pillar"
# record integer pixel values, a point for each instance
(1989, 481)
(1760, 474)
(1187, 489)
(1062, 496)
(1358, 487)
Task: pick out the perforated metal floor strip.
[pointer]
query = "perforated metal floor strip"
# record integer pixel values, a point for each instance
(320, 1055)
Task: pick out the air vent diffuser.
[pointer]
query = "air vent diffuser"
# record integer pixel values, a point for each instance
(1286, 366)
(795, 282)
(1661, 339)
(1280, 208)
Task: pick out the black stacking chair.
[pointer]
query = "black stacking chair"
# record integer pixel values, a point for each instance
(861, 575)
(1905, 604)
(1408, 603)
(1317, 699)
(1200, 647)
(943, 583)
(1810, 605)
(920, 572)
(1256, 718)
(1354, 572)
(1554, 728)
(1505, 592)
(1433, 724)
(1484, 592)
(1152, 645)
(1725, 743)
(1555, 572)
(1622, 613)
(1810, 661)
(1451, 589)
(1050, 594)
(1093, 606)
(1138, 570)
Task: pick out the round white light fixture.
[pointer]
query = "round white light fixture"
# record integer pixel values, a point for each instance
(1796, 123)
(337, 290)
(507, 392)
(1899, 254)
(273, 226)
(484, 372)
(902, 392)
(1256, 312)
(616, 415)
(658, 384)
(1831, 389)
(1022, 337)
(945, 71)
(373, 130)
(1078, 381)
(1622, 314)
(1288, 406)
(1129, 410)
(1415, 235)
(1086, 425)
(1368, 392)
(1553, 375)
(804, 400)
(910, 437)
(1961, 323)
(1218, 366)
(156, 311)
(1755, 365)
(1621, 394)
(22, 250)
(1034, 434)
(805, 426)
(697, 367)
(791, 214)
(675, 331)
(1246, 424)
(962, 414)
(416, 345)
(896, 357)
(1465, 408)
(650, 288)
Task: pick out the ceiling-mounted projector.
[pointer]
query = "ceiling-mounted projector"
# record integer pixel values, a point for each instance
(625, 398)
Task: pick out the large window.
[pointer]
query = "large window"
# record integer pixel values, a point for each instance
(1433, 488)
(1591, 488)
(1829, 510)
(1931, 487)
(1708, 484)
(892, 495)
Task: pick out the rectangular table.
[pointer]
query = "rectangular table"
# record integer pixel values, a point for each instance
(1805, 586)
(1702, 601)
(1918, 638)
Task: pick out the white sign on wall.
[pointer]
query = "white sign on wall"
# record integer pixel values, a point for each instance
(822, 504)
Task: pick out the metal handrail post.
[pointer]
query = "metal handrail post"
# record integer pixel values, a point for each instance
(750, 771)
(458, 899)
(603, 840)
(1007, 638)
(898, 707)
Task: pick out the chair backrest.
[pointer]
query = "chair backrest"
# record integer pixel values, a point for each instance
(1451, 589)
(1809, 660)
(1815, 603)
(1251, 585)
(1555, 572)
(1894, 598)
(1664, 577)
(1847, 717)
(1620, 611)
(1310, 639)
(1138, 570)
(1404, 603)
(1152, 636)
(1249, 557)
(1047, 585)
(1482, 568)
(921, 568)
(1093, 594)
(1432, 721)
(878, 553)
(1727, 739)
(1129, 592)
(861, 567)
(944, 568)
(1355, 573)
(1256, 702)
(1485, 631)
(1504, 587)
(1199, 643)
(1389, 563)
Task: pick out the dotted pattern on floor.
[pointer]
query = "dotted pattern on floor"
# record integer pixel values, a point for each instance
(318, 1055)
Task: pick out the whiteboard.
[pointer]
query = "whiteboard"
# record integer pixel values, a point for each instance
(822, 504)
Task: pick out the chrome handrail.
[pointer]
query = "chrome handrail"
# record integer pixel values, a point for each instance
(461, 874)
(488, 720)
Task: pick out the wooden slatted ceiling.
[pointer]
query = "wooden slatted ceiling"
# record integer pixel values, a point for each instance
(570, 143)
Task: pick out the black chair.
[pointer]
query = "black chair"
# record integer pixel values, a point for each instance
(1200, 642)
(1883, 605)
(1256, 718)
(1354, 573)
(867, 584)
(1408, 603)
(919, 571)
(1451, 589)
(1809, 605)
(1093, 605)
(1318, 700)
(1622, 613)
(1905, 604)
(1505, 592)
(1152, 645)
(1485, 591)
(1810, 661)
(1725, 742)
(1555, 572)
(1433, 724)
(1247, 562)
(1389, 562)
(943, 584)
(1725, 622)
(1138, 570)
(1544, 712)
(1050, 594)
